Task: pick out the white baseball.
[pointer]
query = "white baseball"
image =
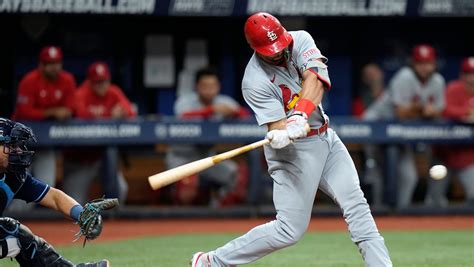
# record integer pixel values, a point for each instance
(438, 172)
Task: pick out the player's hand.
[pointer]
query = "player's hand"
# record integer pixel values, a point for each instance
(59, 113)
(224, 109)
(117, 112)
(278, 138)
(296, 125)
(429, 111)
(469, 118)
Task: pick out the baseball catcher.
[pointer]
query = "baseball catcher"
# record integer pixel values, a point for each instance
(18, 241)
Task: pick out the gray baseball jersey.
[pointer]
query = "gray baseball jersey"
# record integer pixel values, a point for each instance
(299, 169)
(407, 88)
(224, 174)
(188, 102)
(267, 88)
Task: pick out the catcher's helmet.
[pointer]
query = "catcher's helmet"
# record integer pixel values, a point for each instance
(14, 137)
(265, 34)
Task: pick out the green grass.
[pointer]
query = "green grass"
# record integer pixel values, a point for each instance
(435, 248)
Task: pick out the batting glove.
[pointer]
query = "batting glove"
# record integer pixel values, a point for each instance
(278, 138)
(296, 125)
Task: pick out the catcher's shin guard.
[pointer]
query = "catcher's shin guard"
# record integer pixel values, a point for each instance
(36, 252)
(102, 263)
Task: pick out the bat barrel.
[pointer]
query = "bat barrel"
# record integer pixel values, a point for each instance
(165, 178)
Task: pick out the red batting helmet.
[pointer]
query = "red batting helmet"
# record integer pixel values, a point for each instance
(265, 34)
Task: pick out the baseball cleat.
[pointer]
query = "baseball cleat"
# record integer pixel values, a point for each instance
(200, 259)
(102, 263)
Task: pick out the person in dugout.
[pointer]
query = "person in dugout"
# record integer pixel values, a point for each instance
(18, 241)
(46, 93)
(96, 99)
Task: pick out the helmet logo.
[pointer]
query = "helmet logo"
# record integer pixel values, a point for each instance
(100, 69)
(471, 61)
(424, 52)
(53, 52)
(271, 35)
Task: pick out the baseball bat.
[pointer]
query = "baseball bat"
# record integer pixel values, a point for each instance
(165, 178)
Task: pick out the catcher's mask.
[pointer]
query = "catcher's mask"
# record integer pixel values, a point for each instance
(14, 137)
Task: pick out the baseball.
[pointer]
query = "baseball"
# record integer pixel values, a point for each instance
(438, 172)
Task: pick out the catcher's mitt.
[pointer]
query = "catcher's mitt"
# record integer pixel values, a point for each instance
(90, 220)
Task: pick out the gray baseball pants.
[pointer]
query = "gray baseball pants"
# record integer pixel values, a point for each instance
(298, 170)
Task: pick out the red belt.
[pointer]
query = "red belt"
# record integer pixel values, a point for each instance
(320, 130)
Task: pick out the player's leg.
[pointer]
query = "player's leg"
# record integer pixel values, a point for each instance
(9, 247)
(224, 175)
(341, 182)
(43, 166)
(295, 170)
(436, 188)
(17, 241)
(436, 192)
(78, 178)
(466, 176)
(407, 176)
(34, 251)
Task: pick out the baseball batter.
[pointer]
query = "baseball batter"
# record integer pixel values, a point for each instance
(284, 83)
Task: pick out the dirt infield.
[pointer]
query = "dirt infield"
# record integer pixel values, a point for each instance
(61, 233)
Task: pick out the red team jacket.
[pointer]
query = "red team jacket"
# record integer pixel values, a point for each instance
(89, 105)
(36, 94)
(458, 101)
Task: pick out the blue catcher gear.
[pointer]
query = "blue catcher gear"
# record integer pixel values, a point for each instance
(14, 137)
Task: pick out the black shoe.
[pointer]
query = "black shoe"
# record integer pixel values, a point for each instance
(102, 263)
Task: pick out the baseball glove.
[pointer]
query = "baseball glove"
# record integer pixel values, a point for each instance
(90, 220)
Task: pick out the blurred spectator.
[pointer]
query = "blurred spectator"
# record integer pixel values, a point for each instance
(96, 99)
(370, 92)
(46, 93)
(371, 88)
(458, 158)
(418, 93)
(460, 94)
(205, 103)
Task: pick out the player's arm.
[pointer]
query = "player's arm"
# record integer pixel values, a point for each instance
(456, 107)
(125, 104)
(70, 89)
(313, 88)
(58, 200)
(26, 102)
(80, 107)
(277, 125)
(411, 111)
(311, 96)
(431, 112)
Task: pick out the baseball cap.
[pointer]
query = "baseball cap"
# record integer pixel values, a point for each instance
(468, 65)
(50, 54)
(98, 71)
(423, 53)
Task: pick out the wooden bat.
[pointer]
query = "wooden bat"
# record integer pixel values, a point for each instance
(165, 178)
